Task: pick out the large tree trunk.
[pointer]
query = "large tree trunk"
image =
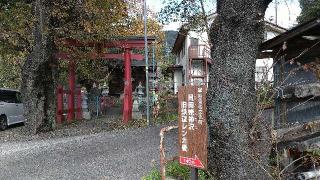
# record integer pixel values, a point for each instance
(39, 73)
(234, 136)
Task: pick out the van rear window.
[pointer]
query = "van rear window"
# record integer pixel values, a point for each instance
(8, 96)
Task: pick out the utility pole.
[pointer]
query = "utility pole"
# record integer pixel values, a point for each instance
(146, 57)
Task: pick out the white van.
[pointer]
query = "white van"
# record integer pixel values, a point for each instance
(11, 108)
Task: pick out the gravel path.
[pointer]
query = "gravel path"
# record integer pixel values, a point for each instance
(120, 154)
(76, 128)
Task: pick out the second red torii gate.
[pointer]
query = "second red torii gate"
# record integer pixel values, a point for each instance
(126, 44)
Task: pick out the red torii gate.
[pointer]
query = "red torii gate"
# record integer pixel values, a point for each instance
(126, 44)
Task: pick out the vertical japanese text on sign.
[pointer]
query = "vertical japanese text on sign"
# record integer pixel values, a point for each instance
(192, 126)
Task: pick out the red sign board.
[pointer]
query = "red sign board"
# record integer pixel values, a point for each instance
(193, 126)
(195, 162)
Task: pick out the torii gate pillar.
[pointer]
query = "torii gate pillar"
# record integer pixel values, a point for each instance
(127, 99)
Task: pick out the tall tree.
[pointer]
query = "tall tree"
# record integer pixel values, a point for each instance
(234, 134)
(193, 14)
(39, 71)
(238, 142)
(15, 39)
(309, 9)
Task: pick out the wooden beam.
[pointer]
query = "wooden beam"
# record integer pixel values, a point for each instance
(289, 34)
(137, 57)
(103, 56)
(298, 132)
(263, 55)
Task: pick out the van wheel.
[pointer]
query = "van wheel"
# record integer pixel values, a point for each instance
(3, 123)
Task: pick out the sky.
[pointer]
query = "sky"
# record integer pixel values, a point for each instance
(288, 10)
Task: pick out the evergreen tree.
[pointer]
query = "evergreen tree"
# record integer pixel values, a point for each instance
(309, 9)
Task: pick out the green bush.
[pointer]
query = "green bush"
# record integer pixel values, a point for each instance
(174, 169)
(166, 118)
(177, 171)
(154, 175)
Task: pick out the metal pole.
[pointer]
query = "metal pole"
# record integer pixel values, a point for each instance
(153, 76)
(153, 66)
(194, 174)
(146, 57)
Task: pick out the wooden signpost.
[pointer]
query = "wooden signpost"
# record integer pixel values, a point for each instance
(193, 131)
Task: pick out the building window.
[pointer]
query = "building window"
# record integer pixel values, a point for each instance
(261, 73)
(197, 68)
(183, 49)
(194, 41)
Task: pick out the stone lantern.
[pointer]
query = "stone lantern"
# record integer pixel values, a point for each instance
(139, 94)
